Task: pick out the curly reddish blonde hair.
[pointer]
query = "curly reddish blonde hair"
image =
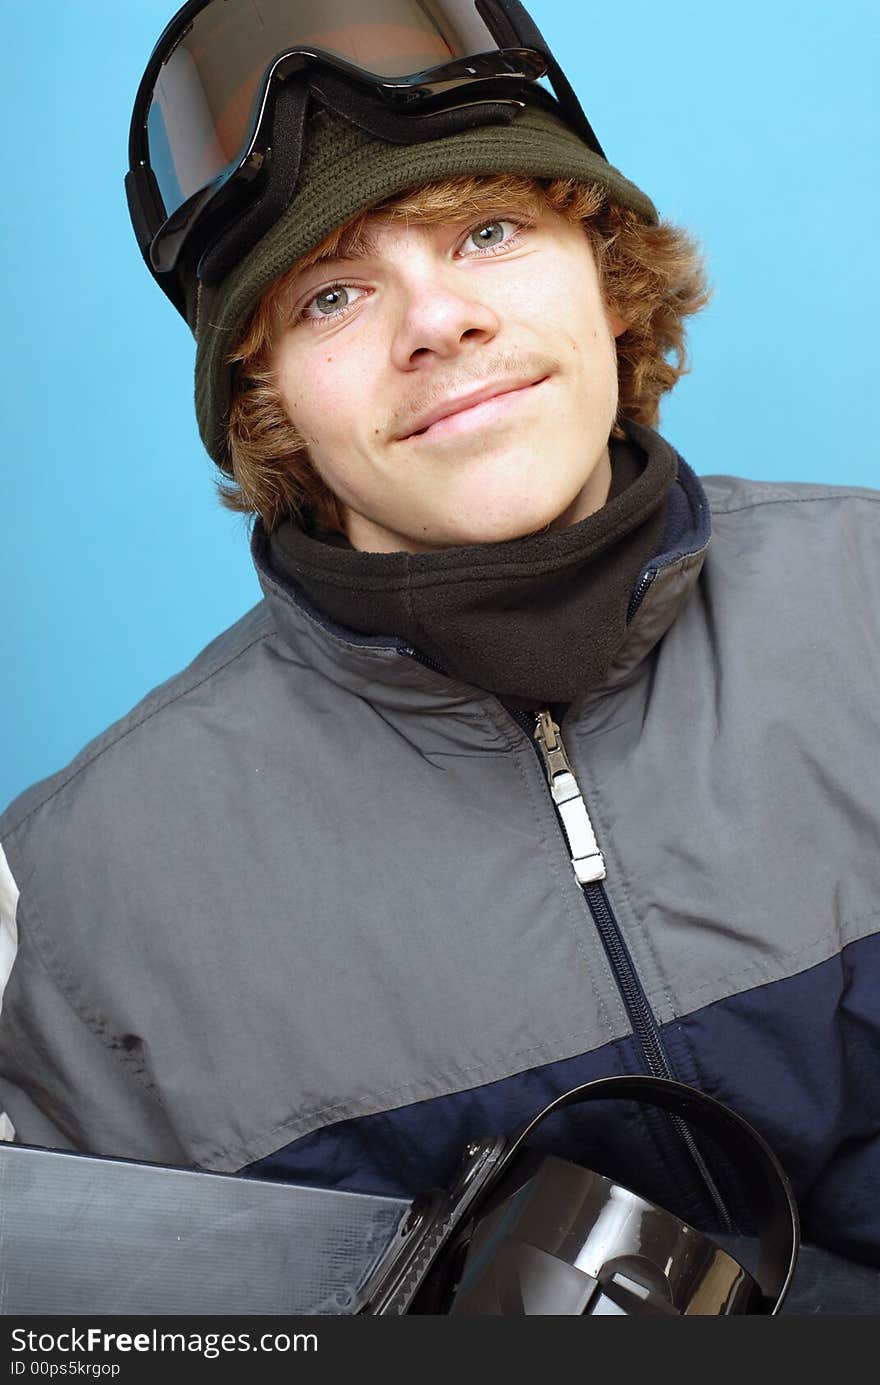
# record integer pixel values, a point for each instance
(653, 277)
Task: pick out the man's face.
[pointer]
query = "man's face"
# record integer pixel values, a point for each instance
(379, 351)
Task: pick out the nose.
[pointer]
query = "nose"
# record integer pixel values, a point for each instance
(441, 312)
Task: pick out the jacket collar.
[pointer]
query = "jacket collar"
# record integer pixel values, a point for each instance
(668, 579)
(382, 667)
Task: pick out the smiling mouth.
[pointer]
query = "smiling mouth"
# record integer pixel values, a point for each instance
(487, 411)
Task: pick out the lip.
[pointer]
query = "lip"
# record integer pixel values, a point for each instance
(470, 409)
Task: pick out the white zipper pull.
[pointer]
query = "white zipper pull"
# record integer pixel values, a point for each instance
(587, 859)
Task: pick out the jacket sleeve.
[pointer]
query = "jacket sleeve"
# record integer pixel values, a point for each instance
(8, 949)
(61, 1086)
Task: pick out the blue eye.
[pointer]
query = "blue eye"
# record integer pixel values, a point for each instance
(337, 297)
(490, 236)
(490, 239)
(330, 304)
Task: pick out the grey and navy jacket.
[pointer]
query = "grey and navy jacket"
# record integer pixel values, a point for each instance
(315, 911)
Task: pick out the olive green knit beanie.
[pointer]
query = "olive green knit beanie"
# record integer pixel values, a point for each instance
(346, 171)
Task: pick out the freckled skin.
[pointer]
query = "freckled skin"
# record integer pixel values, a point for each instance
(432, 315)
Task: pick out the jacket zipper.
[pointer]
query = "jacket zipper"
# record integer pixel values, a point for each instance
(588, 863)
(642, 586)
(589, 874)
(589, 868)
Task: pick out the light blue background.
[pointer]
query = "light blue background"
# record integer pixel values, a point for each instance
(752, 123)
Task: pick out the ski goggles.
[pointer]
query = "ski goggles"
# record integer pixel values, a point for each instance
(202, 130)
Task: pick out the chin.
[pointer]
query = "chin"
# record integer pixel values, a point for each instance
(500, 532)
(519, 497)
(532, 519)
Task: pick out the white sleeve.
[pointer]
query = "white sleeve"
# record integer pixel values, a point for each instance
(8, 949)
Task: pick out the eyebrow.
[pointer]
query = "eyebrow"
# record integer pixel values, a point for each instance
(355, 243)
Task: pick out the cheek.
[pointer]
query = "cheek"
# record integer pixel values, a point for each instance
(314, 396)
(338, 374)
(571, 309)
(592, 361)
(324, 394)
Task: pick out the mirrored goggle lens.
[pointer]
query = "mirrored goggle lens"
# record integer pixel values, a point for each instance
(205, 100)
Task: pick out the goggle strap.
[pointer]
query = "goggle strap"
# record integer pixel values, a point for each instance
(288, 130)
(528, 35)
(356, 105)
(572, 106)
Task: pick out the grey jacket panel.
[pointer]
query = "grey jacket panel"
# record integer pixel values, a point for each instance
(312, 879)
(75, 1081)
(734, 781)
(269, 883)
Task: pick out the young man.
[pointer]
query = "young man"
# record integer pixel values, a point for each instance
(541, 760)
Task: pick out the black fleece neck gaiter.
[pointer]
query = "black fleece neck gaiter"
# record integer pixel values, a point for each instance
(534, 620)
